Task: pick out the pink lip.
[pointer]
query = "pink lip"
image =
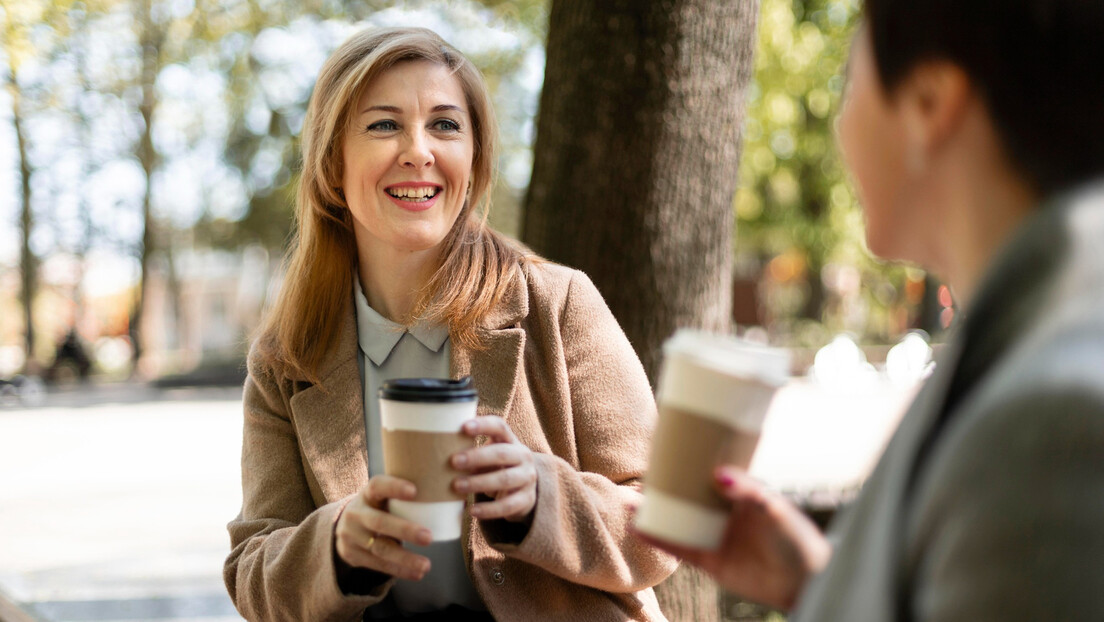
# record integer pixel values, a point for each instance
(411, 206)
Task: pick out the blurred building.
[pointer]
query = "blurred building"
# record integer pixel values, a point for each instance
(206, 312)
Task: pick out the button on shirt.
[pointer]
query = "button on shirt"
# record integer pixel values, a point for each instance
(388, 350)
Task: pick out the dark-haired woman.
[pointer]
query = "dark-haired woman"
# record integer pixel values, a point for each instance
(974, 131)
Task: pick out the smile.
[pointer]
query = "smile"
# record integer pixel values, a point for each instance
(413, 194)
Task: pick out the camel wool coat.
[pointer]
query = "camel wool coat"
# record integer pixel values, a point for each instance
(561, 372)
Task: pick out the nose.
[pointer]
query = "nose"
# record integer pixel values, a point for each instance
(416, 152)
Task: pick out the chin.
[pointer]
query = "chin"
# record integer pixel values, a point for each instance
(419, 243)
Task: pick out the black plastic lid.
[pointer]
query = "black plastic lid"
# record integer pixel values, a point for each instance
(428, 390)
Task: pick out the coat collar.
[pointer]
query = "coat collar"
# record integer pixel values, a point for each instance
(505, 317)
(378, 335)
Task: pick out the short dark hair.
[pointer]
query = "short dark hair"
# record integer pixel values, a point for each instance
(1038, 64)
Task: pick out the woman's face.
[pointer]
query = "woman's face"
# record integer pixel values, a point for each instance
(408, 157)
(872, 141)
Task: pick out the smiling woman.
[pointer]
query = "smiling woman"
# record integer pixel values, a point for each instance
(395, 274)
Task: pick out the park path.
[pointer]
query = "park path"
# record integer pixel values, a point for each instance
(114, 500)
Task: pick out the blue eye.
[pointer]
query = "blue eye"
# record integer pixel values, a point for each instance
(383, 126)
(446, 124)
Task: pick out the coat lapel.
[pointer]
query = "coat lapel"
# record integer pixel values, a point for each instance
(330, 420)
(495, 368)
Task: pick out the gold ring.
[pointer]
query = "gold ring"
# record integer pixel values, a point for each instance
(371, 541)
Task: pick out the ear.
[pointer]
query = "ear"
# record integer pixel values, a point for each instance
(934, 99)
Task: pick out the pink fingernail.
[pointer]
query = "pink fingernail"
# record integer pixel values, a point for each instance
(725, 478)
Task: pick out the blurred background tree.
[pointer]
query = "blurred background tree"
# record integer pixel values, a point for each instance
(148, 148)
(152, 147)
(803, 270)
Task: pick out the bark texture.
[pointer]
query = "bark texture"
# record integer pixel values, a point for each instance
(636, 156)
(635, 168)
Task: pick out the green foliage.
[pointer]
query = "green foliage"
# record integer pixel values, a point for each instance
(798, 218)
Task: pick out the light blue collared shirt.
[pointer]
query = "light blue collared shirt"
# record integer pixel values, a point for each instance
(387, 351)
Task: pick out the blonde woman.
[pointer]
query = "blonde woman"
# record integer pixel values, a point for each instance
(394, 274)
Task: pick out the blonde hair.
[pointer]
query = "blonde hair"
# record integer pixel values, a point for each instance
(477, 263)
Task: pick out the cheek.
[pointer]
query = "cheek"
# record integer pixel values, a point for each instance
(853, 149)
(867, 149)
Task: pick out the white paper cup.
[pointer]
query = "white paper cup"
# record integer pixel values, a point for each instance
(421, 420)
(713, 393)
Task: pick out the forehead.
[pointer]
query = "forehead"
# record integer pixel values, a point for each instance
(420, 83)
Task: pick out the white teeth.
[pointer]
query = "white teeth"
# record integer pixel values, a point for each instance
(419, 193)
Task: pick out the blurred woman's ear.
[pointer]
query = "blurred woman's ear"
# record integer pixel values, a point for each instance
(934, 100)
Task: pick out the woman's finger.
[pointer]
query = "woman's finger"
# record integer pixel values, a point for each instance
(511, 506)
(383, 487)
(736, 485)
(385, 555)
(508, 479)
(400, 562)
(493, 456)
(391, 526)
(492, 427)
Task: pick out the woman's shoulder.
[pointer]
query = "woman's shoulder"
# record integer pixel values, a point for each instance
(266, 357)
(551, 286)
(550, 281)
(566, 295)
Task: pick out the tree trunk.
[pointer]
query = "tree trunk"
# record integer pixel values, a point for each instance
(635, 168)
(636, 157)
(28, 263)
(150, 40)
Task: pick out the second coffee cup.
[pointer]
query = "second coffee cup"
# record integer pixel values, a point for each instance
(421, 420)
(713, 393)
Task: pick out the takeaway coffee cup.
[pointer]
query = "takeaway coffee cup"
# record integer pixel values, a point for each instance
(713, 394)
(421, 419)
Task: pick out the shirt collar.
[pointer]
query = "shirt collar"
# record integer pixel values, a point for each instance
(378, 335)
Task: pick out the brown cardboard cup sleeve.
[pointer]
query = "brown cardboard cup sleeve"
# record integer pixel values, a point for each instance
(418, 440)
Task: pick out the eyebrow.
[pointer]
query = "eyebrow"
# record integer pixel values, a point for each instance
(397, 110)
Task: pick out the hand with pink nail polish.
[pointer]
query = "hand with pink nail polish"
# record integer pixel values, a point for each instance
(770, 548)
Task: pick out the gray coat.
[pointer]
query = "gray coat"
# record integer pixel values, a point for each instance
(989, 501)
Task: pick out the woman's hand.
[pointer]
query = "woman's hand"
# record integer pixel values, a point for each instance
(503, 469)
(770, 548)
(368, 537)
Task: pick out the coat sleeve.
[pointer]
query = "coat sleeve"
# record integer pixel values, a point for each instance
(1017, 531)
(581, 525)
(281, 564)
